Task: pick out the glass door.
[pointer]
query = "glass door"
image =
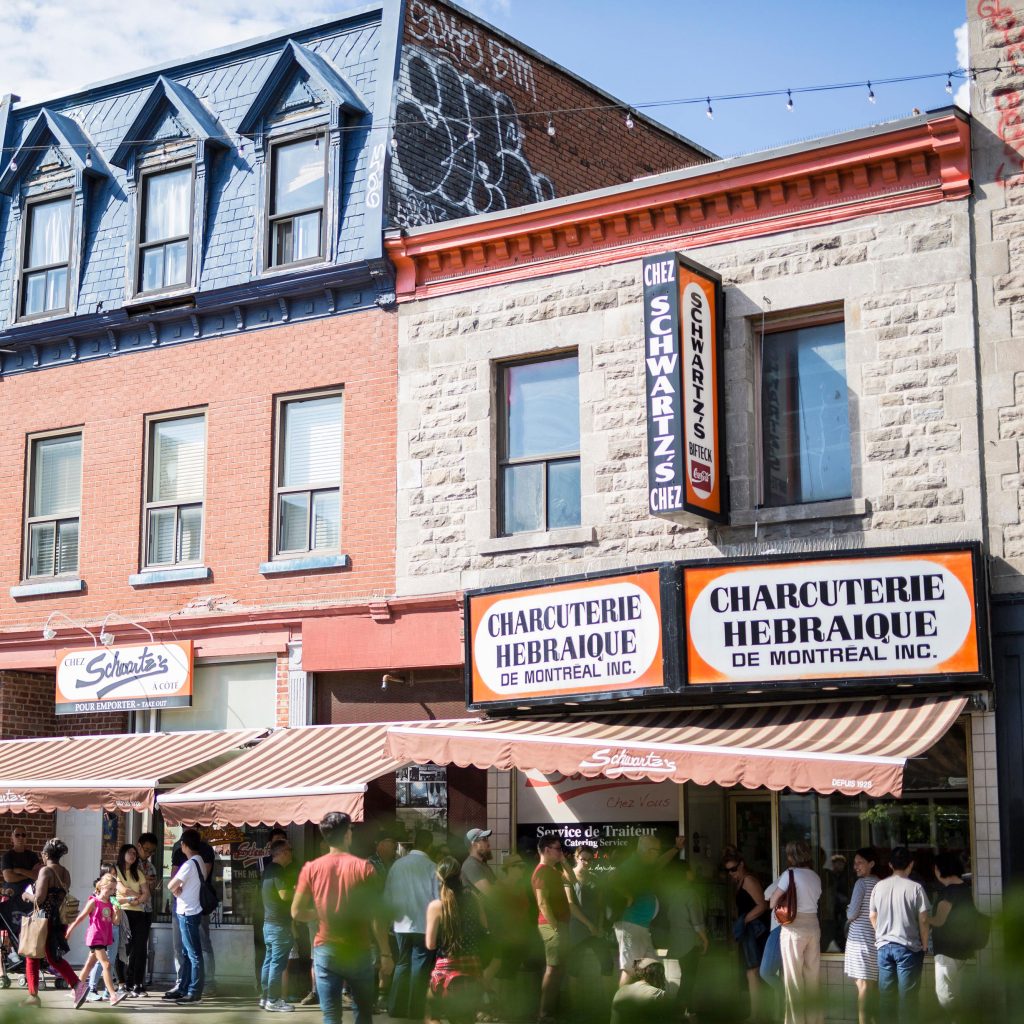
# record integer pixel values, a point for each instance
(751, 831)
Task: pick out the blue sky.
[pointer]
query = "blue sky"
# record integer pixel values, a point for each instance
(640, 50)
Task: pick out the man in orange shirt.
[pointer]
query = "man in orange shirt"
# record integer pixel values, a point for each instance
(549, 882)
(339, 891)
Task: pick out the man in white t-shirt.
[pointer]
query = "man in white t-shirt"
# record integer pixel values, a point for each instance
(185, 886)
(899, 915)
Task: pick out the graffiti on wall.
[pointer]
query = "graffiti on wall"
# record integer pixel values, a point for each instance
(1009, 126)
(466, 45)
(459, 146)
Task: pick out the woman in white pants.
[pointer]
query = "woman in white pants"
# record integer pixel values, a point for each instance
(801, 938)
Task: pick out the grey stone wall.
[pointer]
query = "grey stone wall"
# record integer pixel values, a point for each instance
(902, 281)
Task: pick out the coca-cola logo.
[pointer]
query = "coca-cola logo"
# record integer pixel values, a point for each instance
(700, 475)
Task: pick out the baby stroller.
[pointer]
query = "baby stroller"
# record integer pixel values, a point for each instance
(11, 962)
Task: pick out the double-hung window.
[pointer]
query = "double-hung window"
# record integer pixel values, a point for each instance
(805, 423)
(298, 185)
(46, 255)
(307, 495)
(175, 489)
(165, 230)
(54, 506)
(540, 445)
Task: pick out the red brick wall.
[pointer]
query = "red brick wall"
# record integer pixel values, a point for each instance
(236, 379)
(455, 72)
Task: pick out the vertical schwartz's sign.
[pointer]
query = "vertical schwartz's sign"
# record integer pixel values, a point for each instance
(574, 638)
(845, 618)
(136, 678)
(685, 411)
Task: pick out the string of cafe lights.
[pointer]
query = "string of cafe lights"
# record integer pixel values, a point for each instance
(547, 117)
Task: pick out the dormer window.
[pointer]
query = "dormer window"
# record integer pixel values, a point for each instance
(297, 198)
(47, 257)
(165, 236)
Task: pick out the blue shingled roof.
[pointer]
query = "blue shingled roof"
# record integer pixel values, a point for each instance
(200, 122)
(67, 135)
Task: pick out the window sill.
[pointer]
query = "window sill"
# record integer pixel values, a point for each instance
(152, 577)
(310, 563)
(567, 537)
(54, 586)
(837, 509)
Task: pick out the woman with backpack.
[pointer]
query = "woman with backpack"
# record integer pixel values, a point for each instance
(952, 932)
(132, 897)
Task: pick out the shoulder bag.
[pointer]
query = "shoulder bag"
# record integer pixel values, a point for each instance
(35, 930)
(785, 909)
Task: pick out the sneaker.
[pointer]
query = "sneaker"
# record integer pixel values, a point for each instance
(310, 999)
(188, 1000)
(94, 997)
(105, 996)
(79, 993)
(172, 993)
(278, 1006)
(118, 997)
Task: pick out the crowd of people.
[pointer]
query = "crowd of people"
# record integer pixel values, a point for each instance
(424, 935)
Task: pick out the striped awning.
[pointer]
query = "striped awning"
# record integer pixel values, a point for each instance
(296, 775)
(830, 747)
(115, 773)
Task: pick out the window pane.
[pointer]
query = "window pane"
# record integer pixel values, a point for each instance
(311, 442)
(293, 526)
(177, 459)
(805, 420)
(161, 537)
(152, 269)
(49, 238)
(168, 205)
(67, 546)
(563, 494)
(542, 408)
(298, 176)
(190, 531)
(35, 294)
(326, 522)
(282, 250)
(56, 476)
(524, 498)
(56, 289)
(40, 549)
(175, 263)
(306, 235)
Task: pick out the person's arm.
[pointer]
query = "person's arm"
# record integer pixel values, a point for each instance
(923, 921)
(303, 908)
(853, 911)
(938, 919)
(873, 911)
(543, 904)
(177, 883)
(672, 852)
(575, 910)
(42, 886)
(84, 913)
(756, 893)
(433, 924)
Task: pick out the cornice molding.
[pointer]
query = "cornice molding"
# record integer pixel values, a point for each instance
(914, 165)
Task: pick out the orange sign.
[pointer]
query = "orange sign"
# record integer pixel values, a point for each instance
(586, 637)
(140, 677)
(837, 618)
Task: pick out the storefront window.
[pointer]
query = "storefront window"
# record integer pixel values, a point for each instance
(931, 817)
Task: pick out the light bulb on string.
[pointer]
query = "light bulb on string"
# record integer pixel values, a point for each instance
(871, 94)
(551, 128)
(709, 112)
(949, 82)
(789, 100)
(394, 144)
(630, 123)
(88, 158)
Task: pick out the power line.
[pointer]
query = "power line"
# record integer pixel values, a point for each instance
(545, 116)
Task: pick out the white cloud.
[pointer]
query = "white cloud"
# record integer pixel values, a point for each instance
(962, 97)
(52, 47)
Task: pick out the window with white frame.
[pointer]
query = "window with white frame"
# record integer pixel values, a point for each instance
(805, 422)
(46, 256)
(539, 473)
(54, 506)
(175, 489)
(297, 194)
(307, 495)
(165, 230)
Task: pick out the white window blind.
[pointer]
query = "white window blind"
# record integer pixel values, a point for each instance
(178, 459)
(312, 443)
(57, 476)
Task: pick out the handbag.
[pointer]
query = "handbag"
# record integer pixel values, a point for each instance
(35, 929)
(785, 909)
(69, 909)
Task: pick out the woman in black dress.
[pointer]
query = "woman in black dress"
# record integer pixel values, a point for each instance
(750, 929)
(51, 889)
